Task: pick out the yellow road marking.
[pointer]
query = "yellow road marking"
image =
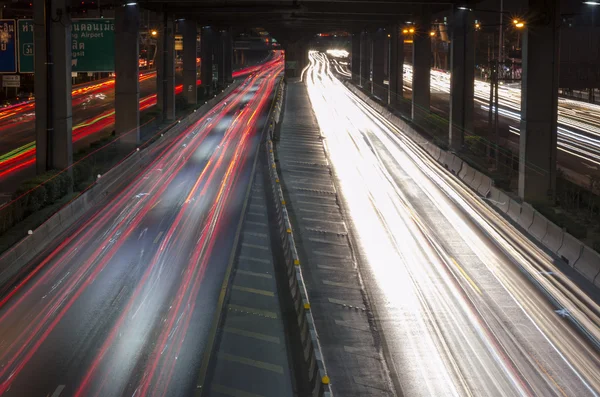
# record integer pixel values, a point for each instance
(255, 274)
(253, 290)
(466, 276)
(251, 310)
(255, 335)
(158, 237)
(254, 363)
(230, 391)
(549, 376)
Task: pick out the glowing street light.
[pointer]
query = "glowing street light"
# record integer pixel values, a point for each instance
(405, 31)
(519, 24)
(154, 33)
(411, 30)
(432, 33)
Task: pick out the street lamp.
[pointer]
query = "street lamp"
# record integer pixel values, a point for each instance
(154, 33)
(518, 23)
(432, 33)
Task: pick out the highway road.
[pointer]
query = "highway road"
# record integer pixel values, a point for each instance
(461, 298)
(123, 303)
(579, 122)
(93, 114)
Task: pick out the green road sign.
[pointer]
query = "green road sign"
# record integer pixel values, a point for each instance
(25, 36)
(93, 45)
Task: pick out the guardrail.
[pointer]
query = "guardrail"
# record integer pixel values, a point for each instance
(14, 260)
(313, 356)
(570, 250)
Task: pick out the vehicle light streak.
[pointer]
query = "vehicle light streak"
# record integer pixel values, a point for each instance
(82, 262)
(24, 156)
(447, 271)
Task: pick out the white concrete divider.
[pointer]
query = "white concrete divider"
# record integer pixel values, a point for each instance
(588, 264)
(526, 217)
(554, 237)
(435, 151)
(514, 210)
(539, 226)
(503, 201)
(445, 159)
(477, 179)
(456, 166)
(485, 186)
(570, 250)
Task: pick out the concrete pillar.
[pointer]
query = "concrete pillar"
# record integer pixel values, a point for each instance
(462, 80)
(421, 94)
(127, 84)
(356, 57)
(206, 51)
(190, 33)
(40, 87)
(365, 60)
(538, 140)
(296, 58)
(54, 142)
(396, 66)
(377, 87)
(166, 68)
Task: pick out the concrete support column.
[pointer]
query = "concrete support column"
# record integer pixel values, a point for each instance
(421, 94)
(206, 51)
(296, 58)
(54, 142)
(365, 60)
(166, 68)
(539, 104)
(377, 87)
(190, 33)
(462, 80)
(356, 57)
(127, 84)
(220, 50)
(396, 66)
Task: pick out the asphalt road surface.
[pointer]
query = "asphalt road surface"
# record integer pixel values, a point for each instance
(452, 282)
(122, 306)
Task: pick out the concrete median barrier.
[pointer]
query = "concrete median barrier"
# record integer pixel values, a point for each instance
(503, 201)
(485, 186)
(514, 210)
(570, 250)
(553, 239)
(476, 181)
(456, 165)
(445, 159)
(526, 217)
(539, 226)
(588, 264)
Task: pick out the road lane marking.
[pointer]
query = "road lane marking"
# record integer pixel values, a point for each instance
(251, 310)
(324, 220)
(255, 234)
(343, 285)
(58, 390)
(330, 255)
(256, 223)
(318, 203)
(353, 324)
(254, 363)
(256, 213)
(249, 258)
(230, 391)
(321, 240)
(253, 290)
(254, 335)
(260, 247)
(343, 303)
(255, 274)
(466, 276)
(325, 267)
(158, 237)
